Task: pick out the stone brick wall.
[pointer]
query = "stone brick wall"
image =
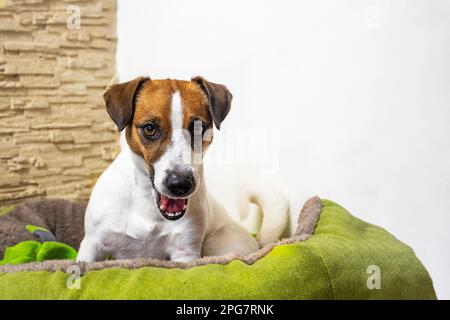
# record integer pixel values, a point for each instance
(56, 59)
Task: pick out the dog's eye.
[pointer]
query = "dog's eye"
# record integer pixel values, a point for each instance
(197, 128)
(150, 131)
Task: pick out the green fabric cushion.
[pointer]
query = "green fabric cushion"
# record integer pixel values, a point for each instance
(332, 264)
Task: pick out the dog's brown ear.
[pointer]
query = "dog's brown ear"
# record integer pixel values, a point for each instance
(219, 99)
(119, 100)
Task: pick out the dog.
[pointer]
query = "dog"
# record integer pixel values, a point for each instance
(152, 201)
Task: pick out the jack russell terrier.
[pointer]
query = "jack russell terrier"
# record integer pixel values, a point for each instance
(152, 201)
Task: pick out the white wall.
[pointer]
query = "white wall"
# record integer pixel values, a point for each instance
(356, 92)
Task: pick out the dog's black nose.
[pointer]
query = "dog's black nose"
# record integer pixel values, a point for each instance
(180, 184)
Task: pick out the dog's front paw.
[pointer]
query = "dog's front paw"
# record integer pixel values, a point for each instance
(90, 251)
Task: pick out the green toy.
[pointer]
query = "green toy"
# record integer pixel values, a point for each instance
(47, 249)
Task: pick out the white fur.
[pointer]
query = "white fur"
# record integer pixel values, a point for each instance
(178, 152)
(123, 221)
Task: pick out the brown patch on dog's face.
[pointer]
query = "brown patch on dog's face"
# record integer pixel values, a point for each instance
(195, 106)
(153, 106)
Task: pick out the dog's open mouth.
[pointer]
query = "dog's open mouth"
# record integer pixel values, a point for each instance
(170, 208)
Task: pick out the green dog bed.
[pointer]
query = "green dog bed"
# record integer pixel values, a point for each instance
(333, 255)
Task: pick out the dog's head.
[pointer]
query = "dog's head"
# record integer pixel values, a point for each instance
(169, 125)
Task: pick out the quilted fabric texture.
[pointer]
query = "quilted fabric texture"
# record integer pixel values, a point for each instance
(332, 264)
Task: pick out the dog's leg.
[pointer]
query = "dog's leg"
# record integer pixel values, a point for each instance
(90, 251)
(231, 239)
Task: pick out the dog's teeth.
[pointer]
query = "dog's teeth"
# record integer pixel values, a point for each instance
(173, 214)
(184, 207)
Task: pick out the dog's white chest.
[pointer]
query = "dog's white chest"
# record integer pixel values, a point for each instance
(141, 217)
(145, 234)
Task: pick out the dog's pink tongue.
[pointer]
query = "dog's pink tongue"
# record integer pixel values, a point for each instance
(171, 205)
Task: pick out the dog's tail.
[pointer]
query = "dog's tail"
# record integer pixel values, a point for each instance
(269, 214)
(256, 203)
(264, 209)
